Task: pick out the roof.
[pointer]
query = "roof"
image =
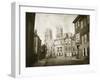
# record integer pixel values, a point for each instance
(77, 18)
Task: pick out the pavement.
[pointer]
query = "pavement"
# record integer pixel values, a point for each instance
(60, 61)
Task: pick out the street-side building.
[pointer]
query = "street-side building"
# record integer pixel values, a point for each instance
(68, 44)
(37, 45)
(49, 42)
(82, 31)
(73, 46)
(30, 21)
(43, 51)
(64, 44)
(59, 47)
(59, 42)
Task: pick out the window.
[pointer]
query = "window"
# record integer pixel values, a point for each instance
(58, 49)
(84, 51)
(81, 23)
(77, 37)
(85, 38)
(82, 39)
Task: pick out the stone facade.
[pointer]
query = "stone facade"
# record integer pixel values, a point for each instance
(64, 44)
(37, 45)
(49, 42)
(82, 32)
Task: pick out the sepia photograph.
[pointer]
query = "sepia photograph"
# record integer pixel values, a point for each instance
(55, 39)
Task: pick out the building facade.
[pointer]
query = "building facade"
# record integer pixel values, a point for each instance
(59, 42)
(82, 31)
(49, 42)
(64, 44)
(37, 45)
(73, 46)
(59, 47)
(30, 21)
(70, 47)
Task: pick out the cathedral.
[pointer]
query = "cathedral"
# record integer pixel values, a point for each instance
(62, 46)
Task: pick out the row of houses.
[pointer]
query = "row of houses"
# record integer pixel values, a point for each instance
(82, 33)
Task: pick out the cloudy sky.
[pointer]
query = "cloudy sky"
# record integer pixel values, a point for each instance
(51, 21)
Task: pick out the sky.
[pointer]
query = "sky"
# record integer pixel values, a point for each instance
(51, 21)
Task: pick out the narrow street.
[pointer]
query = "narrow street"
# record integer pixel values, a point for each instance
(60, 61)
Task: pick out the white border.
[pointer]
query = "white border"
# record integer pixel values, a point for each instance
(18, 41)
